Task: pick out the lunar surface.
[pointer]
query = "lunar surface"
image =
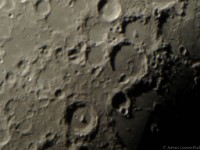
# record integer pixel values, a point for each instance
(99, 74)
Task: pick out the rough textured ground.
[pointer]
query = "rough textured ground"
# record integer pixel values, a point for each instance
(98, 74)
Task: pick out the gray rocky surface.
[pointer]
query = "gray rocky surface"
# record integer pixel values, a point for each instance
(98, 74)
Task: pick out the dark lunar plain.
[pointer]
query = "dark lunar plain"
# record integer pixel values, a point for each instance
(99, 74)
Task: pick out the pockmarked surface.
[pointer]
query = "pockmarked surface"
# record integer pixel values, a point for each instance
(95, 74)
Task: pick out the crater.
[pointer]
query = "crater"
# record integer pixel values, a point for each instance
(81, 118)
(95, 55)
(72, 54)
(121, 103)
(138, 32)
(58, 93)
(11, 77)
(109, 10)
(43, 8)
(118, 100)
(126, 59)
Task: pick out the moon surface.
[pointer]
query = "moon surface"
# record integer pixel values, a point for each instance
(99, 74)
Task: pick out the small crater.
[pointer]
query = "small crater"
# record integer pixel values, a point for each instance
(183, 51)
(57, 53)
(11, 77)
(9, 107)
(43, 49)
(122, 78)
(124, 111)
(24, 67)
(110, 10)
(58, 93)
(10, 15)
(21, 64)
(72, 54)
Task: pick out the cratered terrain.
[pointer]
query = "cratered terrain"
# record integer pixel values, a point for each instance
(99, 74)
